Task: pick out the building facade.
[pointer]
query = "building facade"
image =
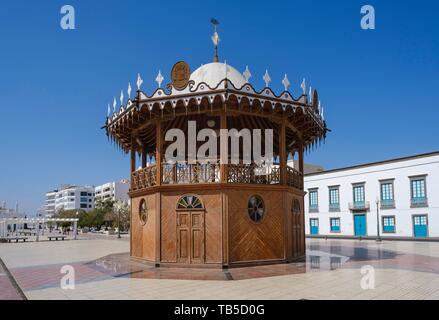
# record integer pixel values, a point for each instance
(49, 206)
(117, 190)
(70, 197)
(396, 198)
(6, 212)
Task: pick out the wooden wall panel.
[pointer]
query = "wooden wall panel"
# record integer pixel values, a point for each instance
(249, 241)
(213, 227)
(143, 236)
(136, 230)
(148, 230)
(168, 228)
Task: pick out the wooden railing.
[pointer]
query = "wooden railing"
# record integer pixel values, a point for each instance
(253, 174)
(144, 178)
(190, 173)
(210, 173)
(294, 178)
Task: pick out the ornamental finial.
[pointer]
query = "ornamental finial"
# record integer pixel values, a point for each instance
(215, 38)
(286, 82)
(247, 74)
(303, 86)
(114, 105)
(139, 81)
(129, 90)
(159, 79)
(266, 78)
(121, 97)
(108, 110)
(310, 94)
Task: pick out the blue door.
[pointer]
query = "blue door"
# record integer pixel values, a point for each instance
(360, 225)
(314, 226)
(420, 226)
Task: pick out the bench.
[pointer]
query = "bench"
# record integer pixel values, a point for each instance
(16, 239)
(56, 237)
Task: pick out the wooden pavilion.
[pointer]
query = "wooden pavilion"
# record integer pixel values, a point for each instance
(216, 214)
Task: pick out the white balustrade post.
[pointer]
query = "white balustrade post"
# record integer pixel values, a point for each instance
(75, 230)
(37, 231)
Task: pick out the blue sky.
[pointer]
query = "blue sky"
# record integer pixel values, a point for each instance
(379, 88)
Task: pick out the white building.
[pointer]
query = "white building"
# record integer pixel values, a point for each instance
(401, 194)
(72, 198)
(117, 190)
(6, 212)
(49, 206)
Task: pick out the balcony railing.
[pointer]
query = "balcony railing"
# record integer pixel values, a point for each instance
(387, 204)
(190, 173)
(176, 173)
(419, 202)
(359, 205)
(294, 178)
(143, 178)
(334, 207)
(313, 208)
(253, 174)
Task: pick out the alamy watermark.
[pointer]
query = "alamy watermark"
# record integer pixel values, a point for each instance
(208, 151)
(68, 19)
(368, 20)
(68, 280)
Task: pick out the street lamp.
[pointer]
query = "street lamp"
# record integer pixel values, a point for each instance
(118, 222)
(377, 201)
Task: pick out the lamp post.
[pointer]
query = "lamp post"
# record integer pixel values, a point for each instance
(118, 222)
(377, 201)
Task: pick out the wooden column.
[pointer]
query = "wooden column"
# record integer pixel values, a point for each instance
(283, 153)
(133, 156)
(224, 152)
(301, 158)
(144, 154)
(159, 152)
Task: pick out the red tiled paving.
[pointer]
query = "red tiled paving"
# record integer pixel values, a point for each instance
(40, 277)
(354, 255)
(7, 289)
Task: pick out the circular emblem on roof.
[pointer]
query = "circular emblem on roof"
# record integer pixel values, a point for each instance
(180, 75)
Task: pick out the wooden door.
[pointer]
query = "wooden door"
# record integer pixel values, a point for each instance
(190, 237)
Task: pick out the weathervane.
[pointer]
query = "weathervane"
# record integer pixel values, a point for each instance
(215, 38)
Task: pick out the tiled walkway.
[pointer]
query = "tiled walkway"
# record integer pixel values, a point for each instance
(7, 289)
(332, 270)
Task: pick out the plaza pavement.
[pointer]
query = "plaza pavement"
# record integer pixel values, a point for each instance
(103, 270)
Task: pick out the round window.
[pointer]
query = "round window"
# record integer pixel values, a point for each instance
(256, 208)
(143, 212)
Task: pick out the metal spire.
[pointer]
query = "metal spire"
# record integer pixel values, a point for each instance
(303, 86)
(139, 81)
(266, 78)
(159, 79)
(215, 38)
(129, 90)
(247, 74)
(286, 82)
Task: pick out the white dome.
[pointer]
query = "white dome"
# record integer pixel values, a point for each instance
(214, 72)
